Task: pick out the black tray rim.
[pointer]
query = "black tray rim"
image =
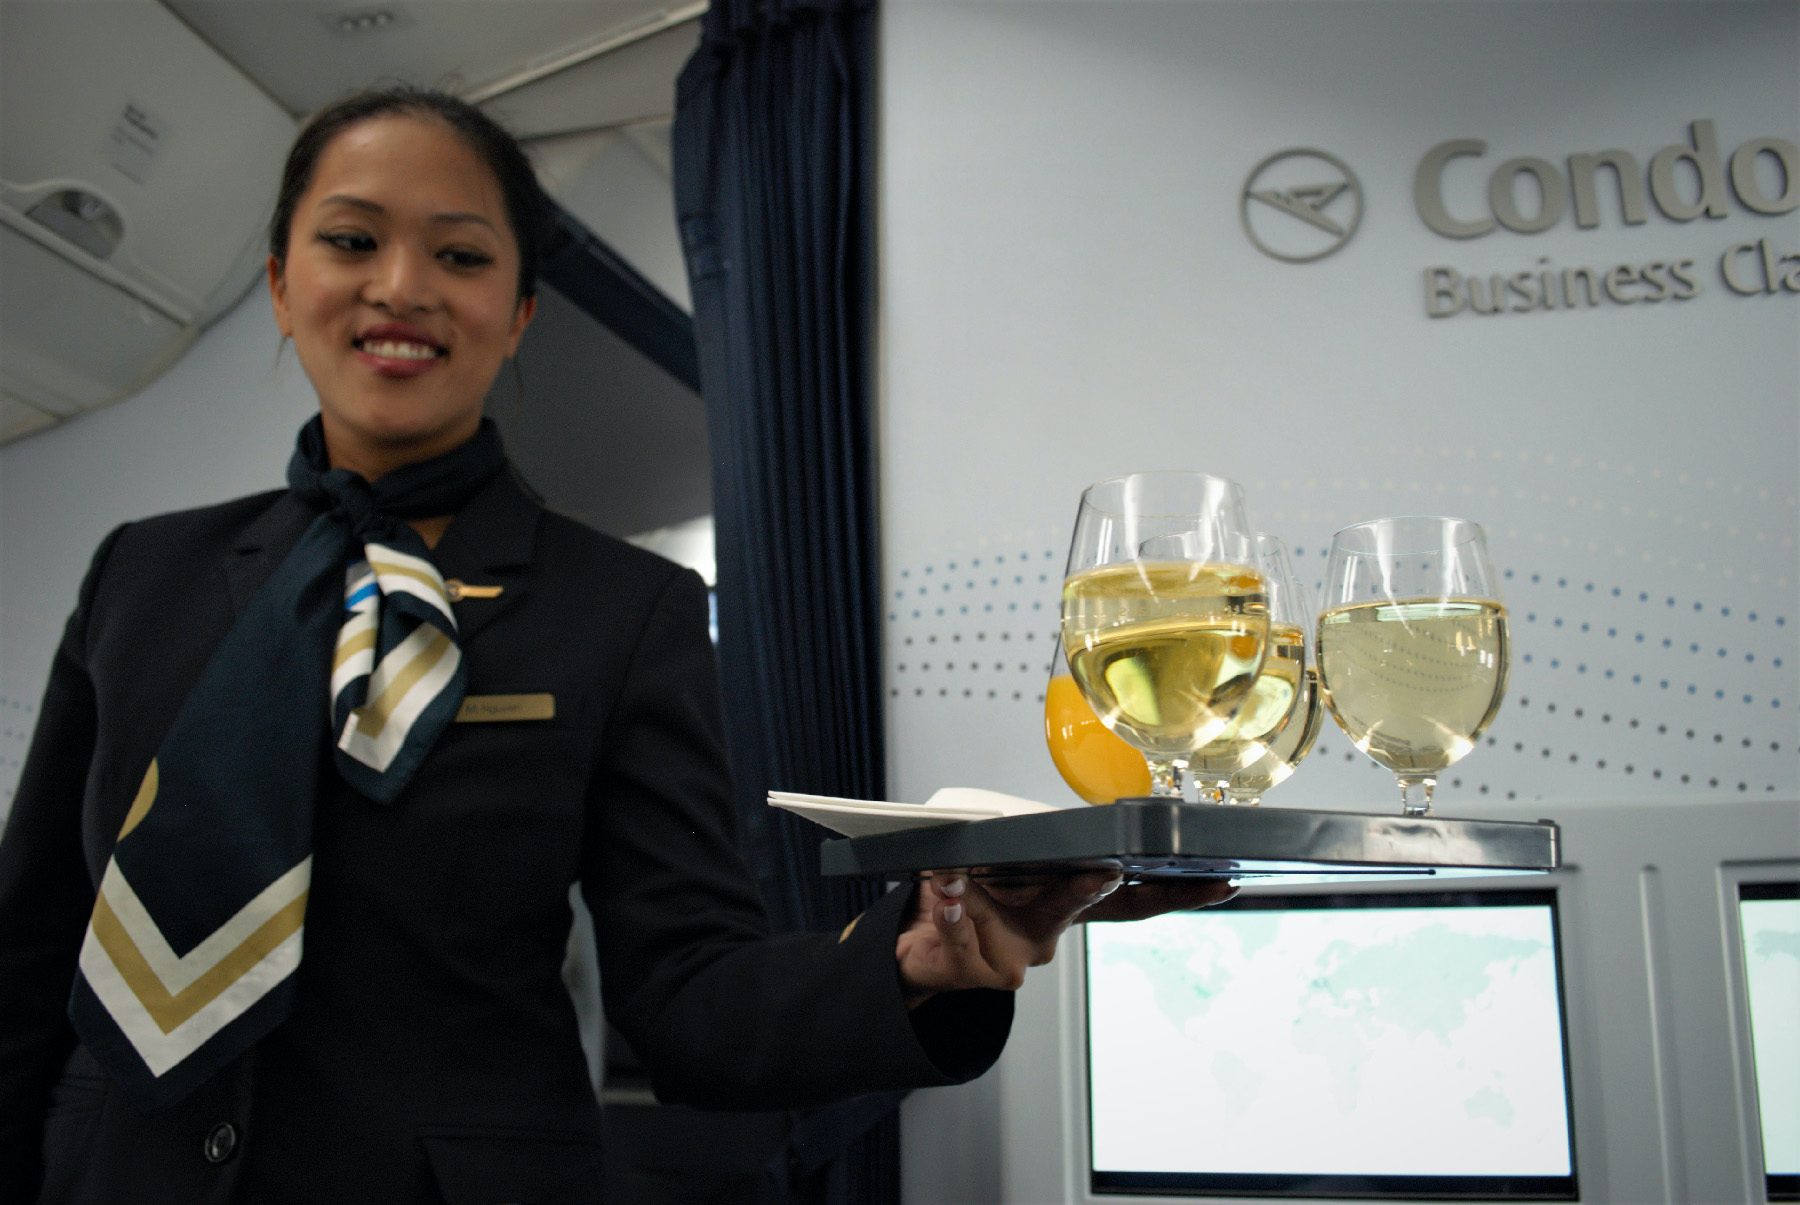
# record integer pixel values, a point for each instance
(1179, 834)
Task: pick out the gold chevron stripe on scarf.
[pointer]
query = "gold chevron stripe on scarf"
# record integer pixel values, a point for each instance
(140, 807)
(406, 681)
(396, 572)
(352, 642)
(169, 1004)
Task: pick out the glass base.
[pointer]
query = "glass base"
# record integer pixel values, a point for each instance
(1181, 799)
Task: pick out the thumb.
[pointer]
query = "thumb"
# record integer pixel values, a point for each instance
(950, 915)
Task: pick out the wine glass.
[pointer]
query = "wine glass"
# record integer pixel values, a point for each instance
(1271, 708)
(1097, 765)
(1295, 740)
(1165, 620)
(1283, 752)
(1412, 645)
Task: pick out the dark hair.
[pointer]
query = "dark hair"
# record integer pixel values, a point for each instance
(525, 207)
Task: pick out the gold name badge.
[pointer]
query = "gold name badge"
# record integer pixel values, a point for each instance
(484, 709)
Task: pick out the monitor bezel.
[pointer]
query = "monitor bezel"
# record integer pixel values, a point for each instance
(1777, 1186)
(1354, 1186)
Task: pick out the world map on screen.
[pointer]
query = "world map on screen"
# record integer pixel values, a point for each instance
(1329, 1041)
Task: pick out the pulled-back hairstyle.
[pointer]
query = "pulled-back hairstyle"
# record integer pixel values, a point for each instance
(524, 199)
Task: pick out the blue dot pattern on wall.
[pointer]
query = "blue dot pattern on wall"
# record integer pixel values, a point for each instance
(18, 717)
(1000, 641)
(1615, 691)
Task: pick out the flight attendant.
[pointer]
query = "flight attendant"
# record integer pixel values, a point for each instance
(283, 897)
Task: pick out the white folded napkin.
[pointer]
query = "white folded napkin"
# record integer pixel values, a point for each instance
(867, 817)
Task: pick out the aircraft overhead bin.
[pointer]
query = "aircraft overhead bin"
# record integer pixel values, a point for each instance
(137, 176)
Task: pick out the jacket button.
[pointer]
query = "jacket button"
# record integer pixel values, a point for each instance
(221, 1142)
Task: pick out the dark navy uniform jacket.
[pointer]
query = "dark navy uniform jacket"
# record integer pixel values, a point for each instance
(432, 1054)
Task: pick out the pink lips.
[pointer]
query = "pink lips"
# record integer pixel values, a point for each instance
(397, 366)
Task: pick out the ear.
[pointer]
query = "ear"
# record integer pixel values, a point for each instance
(521, 319)
(278, 297)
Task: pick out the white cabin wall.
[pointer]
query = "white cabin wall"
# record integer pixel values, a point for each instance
(219, 424)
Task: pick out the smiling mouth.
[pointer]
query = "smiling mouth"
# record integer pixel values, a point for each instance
(398, 349)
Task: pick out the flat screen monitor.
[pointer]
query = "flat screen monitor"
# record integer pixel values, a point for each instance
(1359, 1045)
(1769, 916)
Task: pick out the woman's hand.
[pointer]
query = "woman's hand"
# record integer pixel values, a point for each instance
(967, 933)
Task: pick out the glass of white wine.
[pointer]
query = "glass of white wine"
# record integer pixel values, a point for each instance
(1412, 645)
(1285, 751)
(1267, 737)
(1165, 617)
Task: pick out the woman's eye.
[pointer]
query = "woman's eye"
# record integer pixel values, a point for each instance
(348, 240)
(463, 258)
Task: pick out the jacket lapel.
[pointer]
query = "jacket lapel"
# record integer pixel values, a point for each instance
(489, 543)
(263, 545)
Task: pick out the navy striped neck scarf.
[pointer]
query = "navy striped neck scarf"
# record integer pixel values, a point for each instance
(197, 929)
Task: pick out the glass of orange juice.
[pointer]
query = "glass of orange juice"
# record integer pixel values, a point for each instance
(1097, 765)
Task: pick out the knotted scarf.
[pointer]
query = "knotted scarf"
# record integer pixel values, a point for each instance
(189, 957)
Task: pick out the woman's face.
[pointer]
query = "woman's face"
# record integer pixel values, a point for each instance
(399, 291)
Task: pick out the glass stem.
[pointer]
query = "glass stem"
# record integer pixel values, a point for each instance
(1209, 791)
(1415, 796)
(1165, 776)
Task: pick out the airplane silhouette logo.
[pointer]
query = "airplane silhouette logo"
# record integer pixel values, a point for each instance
(1306, 203)
(1328, 179)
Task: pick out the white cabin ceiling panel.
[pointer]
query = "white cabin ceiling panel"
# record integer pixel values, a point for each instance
(296, 50)
(635, 83)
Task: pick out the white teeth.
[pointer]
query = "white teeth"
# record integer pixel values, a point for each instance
(401, 351)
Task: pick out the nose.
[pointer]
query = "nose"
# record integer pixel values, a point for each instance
(401, 282)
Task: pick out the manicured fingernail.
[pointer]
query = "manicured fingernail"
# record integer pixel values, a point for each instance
(954, 887)
(1111, 886)
(952, 913)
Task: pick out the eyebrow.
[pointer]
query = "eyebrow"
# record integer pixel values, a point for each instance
(372, 207)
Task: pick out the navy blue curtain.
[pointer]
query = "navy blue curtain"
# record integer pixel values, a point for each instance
(773, 167)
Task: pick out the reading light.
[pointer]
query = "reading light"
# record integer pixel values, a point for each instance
(364, 21)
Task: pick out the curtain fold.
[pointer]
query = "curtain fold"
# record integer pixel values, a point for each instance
(772, 163)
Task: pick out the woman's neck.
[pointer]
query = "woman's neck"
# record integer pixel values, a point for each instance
(430, 530)
(372, 457)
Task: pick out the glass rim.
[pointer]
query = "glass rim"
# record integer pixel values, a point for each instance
(1299, 603)
(1476, 532)
(1087, 495)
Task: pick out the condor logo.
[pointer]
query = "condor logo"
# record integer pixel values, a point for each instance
(1300, 205)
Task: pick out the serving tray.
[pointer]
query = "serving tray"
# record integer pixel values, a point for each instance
(1155, 837)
